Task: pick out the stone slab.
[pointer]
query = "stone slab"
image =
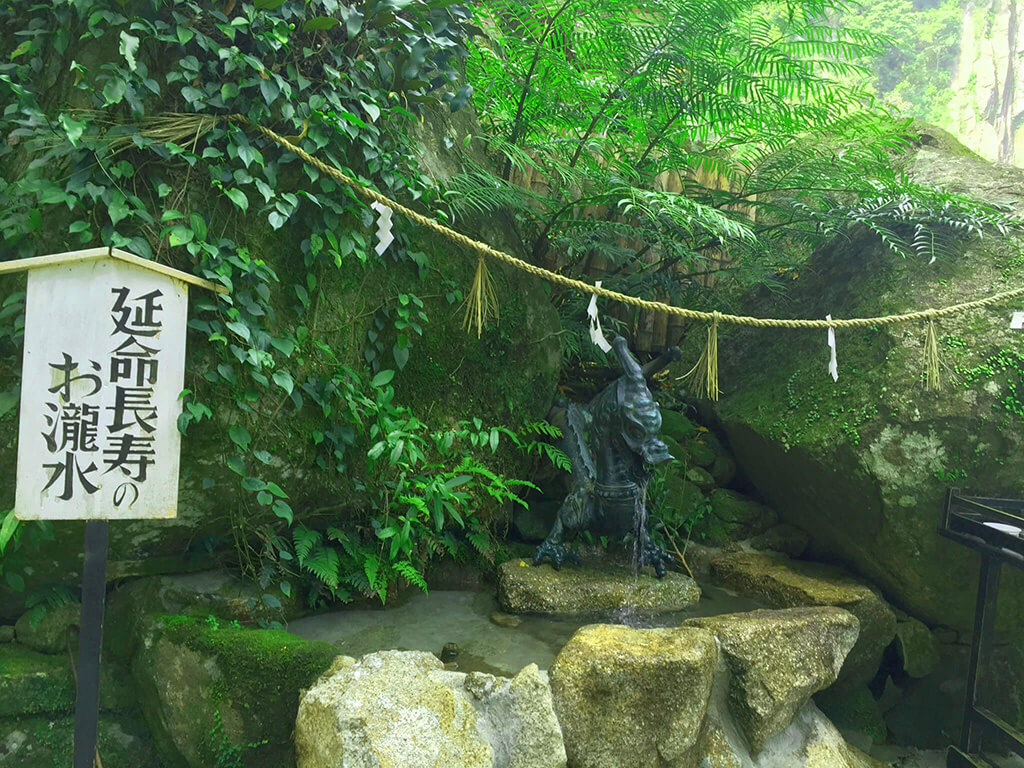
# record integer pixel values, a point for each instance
(572, 591)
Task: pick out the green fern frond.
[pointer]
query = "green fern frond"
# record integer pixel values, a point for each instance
(305, 539)
(411, 574)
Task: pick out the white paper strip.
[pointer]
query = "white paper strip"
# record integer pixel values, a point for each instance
(1004, 528)
(1017, 321)
(596, 334)
(833, 364)
(383, 227)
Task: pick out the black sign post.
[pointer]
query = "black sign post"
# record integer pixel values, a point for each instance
(90, 640)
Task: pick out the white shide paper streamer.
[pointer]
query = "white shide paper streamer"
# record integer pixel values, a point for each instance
(383, 227)
(833, 364)
(1017, 321)
(596, 334)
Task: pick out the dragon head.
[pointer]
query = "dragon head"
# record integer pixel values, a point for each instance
(641, 417)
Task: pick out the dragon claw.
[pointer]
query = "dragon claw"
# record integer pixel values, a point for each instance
(557, 554)
(653, 555)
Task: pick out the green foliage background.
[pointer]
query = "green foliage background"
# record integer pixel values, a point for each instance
(95, 153)
(915, 69)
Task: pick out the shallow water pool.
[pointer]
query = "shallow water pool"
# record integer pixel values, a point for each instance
(427, 622)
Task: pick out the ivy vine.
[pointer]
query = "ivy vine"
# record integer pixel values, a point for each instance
(80, 77)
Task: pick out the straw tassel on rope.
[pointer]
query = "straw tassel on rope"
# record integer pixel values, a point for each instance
(482, 302)
(931, 358)
(704, 375)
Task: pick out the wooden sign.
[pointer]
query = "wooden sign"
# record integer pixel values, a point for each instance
(103, 370)
(98, 439)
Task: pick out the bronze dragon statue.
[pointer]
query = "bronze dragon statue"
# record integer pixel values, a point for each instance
(613, 445)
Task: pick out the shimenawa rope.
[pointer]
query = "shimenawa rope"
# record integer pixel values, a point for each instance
(704, 375)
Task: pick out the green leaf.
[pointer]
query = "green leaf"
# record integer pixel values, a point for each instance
(240, 436)
(286, 586)
(283, 379)
(129, 47)
(283, 510)
(275, 489)
(285, 346)
(15, 581)
(382, 378)
(270, 601)
(8, 529)
(236, 465)
(73, 128)
(320, 23)
(238, 197)
(24, 47)
(253, 484)
(268, 5)
(241, 329)
(118, 208)
(113, 91)
(180, 235)
(371, 109)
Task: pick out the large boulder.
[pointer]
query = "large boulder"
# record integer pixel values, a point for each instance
(863, 464)
(401, 709)
(783, 583)
(206, 688)
(633, 697)
(777, 660)
(572, 591)
(810, 741)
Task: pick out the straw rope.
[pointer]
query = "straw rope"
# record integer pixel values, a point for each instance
(928, 315)
(482, 304)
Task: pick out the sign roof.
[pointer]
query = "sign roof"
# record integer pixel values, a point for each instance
(93, 254)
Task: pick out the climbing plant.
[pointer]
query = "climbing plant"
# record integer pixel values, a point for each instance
(94, 156)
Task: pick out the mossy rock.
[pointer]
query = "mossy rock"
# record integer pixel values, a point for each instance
(863, 464)
(702, 454)
(783, 583)
(784, 538)
(573, 591)
(677, 426)
(680, 456)
(33, 683)
(46, 742)
(207, 688)
(777, 660)
(48, 633)
(682, 499)
(701, 478)
(739, 516)
(633, 697)
(723, 470)
(916, 646)
(853, 709)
